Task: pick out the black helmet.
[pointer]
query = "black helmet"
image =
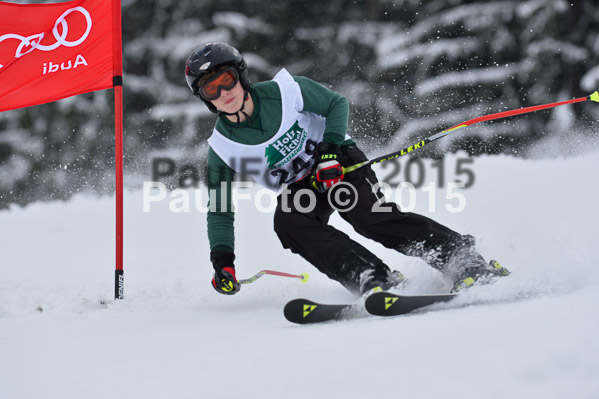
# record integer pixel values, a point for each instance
(212, 55)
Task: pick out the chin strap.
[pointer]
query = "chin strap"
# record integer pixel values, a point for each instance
(246, 96)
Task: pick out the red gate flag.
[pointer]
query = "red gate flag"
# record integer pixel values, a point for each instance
(58, 50)
(53, 51)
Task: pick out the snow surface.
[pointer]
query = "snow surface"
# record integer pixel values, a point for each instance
(531, 335)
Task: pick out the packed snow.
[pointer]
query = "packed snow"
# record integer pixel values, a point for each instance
(530, 335)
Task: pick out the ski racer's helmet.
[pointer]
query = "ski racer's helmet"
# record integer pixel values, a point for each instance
(209, 56)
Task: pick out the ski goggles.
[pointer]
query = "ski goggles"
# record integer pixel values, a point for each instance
(226, 80)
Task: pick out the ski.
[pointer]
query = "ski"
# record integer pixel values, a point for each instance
(304, 311)
(387, 304)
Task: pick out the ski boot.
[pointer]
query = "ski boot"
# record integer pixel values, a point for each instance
(479, 272)
(380, 279)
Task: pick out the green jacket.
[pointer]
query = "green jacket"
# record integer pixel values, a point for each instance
(264, 124)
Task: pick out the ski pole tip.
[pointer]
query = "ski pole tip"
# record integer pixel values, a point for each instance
(305, 277)
(595, 97)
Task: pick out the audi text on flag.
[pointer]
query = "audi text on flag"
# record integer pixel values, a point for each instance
(53, 51)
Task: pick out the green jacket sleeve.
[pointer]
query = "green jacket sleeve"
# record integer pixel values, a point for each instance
(221, 233)
(333, 106)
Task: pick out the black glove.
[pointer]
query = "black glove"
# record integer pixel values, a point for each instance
(224, 281)
(327, 170)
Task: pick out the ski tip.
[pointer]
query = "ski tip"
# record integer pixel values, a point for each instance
(304, 311)
(388, 304)
(297, 310)
(594, 97)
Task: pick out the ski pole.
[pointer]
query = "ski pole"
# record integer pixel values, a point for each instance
(302, 277)
(593, 97)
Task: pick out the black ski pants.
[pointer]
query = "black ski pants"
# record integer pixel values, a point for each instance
(302, 215)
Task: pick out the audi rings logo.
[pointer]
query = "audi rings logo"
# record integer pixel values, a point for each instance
(33, 42)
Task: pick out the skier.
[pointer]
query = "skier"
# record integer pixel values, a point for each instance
(290, 134)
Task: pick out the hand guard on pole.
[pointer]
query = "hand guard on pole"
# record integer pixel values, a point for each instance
(327, 170)
(224, 280)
